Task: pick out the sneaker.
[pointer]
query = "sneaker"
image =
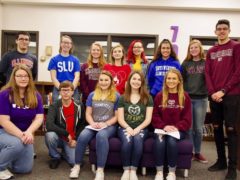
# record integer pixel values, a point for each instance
(171, 176)
(133, 175)
(218, 166)
(75, 171)
(200, 158)
(159, 175)
(54, 163)
(231, 174)
(99, 175)
(126, 175)
(5, 174)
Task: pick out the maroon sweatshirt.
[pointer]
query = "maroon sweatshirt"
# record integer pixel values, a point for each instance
(222, 69)
(88, 79)
(172, 114)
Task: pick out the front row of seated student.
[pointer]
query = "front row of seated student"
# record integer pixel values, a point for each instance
(64, 123)
(101, 114)
(172, 113)
(134, 115)
(21, 114)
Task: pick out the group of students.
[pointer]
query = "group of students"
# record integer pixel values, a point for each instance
(124, 98)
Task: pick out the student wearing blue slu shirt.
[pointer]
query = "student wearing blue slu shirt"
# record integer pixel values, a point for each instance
(65, 66)
(164, 60)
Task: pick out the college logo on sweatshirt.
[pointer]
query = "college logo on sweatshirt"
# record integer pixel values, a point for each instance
(220, 54)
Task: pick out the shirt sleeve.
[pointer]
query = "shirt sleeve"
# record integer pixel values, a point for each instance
(51, 64)
(150, 102)
(89, 99)
(117, 101)
(120, 102)
(39, 109)
(77, 64)
(5, 103)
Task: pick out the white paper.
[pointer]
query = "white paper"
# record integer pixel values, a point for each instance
(90, 127)
(174, 134)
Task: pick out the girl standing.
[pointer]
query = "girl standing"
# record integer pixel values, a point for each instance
(164, 60)
(193, 72)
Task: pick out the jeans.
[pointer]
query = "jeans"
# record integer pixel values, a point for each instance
(166, 147)
(102, 144)
(199, 109)
(132, 147)
(14, 154)
(53, 142)
(55, 95)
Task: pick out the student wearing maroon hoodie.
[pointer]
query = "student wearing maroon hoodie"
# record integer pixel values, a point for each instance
(171, 112)
(223, 83)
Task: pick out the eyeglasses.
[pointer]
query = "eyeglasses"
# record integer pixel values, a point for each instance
(222, 29)
(137, 47)
(23, 39)
(22, 76)
(66, 90)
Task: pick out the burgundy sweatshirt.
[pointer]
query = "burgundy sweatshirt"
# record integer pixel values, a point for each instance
(223, 68)
(172, 114)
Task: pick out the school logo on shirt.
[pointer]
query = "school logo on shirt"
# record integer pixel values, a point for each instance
(134, 110)
(65, 66)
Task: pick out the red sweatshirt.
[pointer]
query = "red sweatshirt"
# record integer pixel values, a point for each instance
(223, 68)
(120, 75)
(172, 114)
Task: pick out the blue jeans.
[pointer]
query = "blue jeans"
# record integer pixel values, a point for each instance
(102, 144)
(54, 142)
(132, 147)
(199, 109)
(166, 147)
(55, 95)
(14, 154)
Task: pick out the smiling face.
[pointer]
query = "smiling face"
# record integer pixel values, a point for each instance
(95, 51)
(22, 42)
(172, 82)
(104, 82)
(137, 49)
(222, 31)
(66, 45)
(165, 50)
(21, 78)
(135, 81)
(195, 50)
(117, 53)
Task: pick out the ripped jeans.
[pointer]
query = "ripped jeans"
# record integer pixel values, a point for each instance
(226, 112)
(132, 147)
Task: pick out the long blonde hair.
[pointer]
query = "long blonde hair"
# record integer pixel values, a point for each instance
(30, 98)
(201, 55)
(180, 90)
(112, 59)
(101, 61)
(112, 90)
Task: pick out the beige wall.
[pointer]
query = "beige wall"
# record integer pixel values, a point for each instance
(51, 20)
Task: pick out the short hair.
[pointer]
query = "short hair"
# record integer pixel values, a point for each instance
(23, 33)
(66, 84)
(223, 21)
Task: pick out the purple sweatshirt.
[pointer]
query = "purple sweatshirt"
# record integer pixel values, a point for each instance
(223, 68)
(172, 114)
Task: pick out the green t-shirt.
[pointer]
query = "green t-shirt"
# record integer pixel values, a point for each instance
(134, 114)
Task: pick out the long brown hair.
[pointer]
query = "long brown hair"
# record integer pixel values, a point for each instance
(189, 56)
(180, 90)
(101, 61)
(158, 53)
(144, 95)
(30, 98)
(112, 90)
(112, 59)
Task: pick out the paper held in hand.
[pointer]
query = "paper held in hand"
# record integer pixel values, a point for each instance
(174, 134)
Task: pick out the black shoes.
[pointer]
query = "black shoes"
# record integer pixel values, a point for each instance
(54, 163)
(231, 174)
(218, 166)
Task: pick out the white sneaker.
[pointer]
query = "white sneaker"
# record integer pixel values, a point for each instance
(159, 175)
(171, 176)
(99, 175)
(133, 175)
(126, 175)
(75, 171)
(5, 174)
